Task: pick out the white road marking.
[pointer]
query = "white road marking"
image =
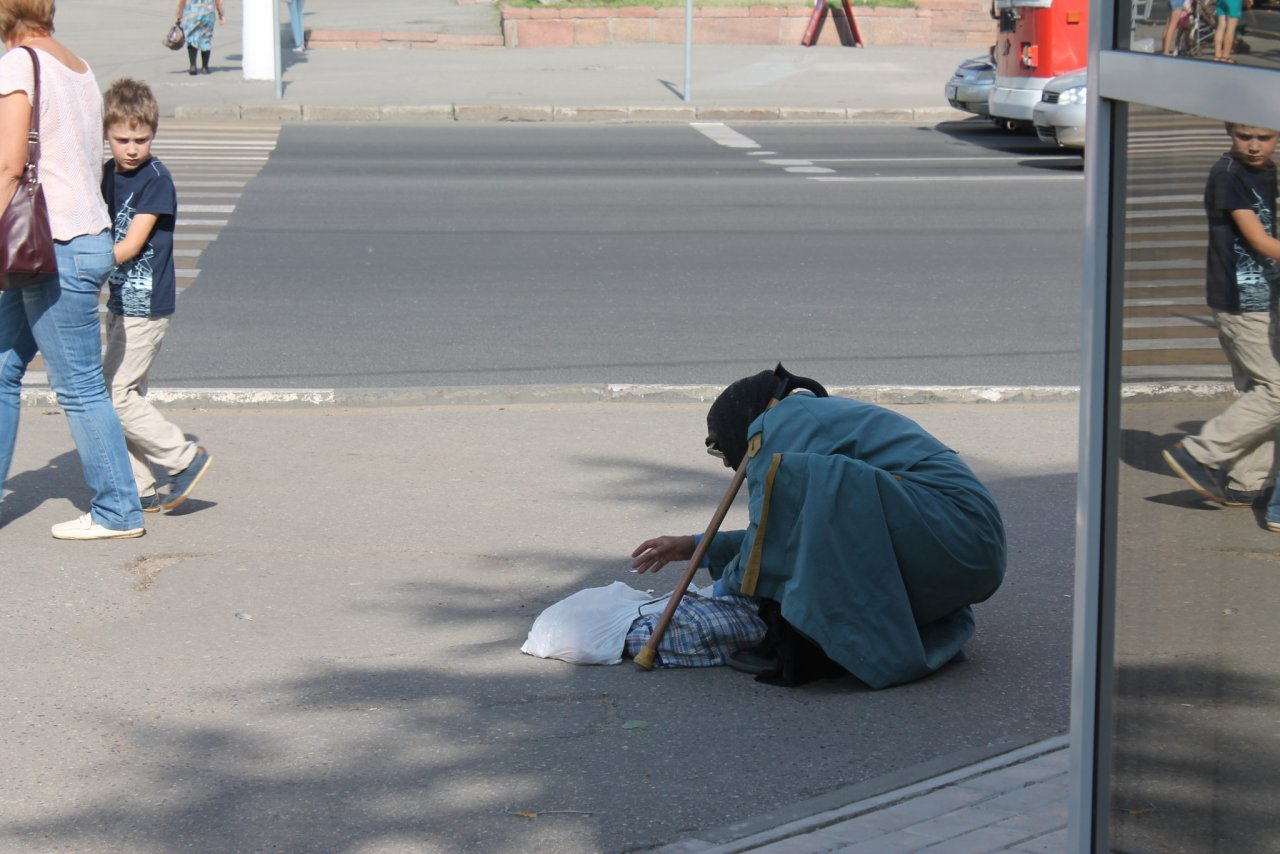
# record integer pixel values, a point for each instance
(934, 179)
(722, 134)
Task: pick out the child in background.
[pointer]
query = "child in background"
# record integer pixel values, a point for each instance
(143, 205)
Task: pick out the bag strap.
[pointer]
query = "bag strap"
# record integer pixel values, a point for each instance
(33, 135)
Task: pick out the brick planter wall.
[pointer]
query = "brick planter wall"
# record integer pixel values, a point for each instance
(933, 22)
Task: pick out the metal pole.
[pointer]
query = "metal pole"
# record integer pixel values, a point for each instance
(688, 49)
(275, 49)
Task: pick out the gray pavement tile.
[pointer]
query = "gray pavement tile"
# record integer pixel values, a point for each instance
(1016, 776)
(1045, 818)
(901, 840)
(957, 822)
(859, 829)
(805, 844)
(1058, 762)
(985, 840)
(906, 813)
(1032, 797)
(1050, 843)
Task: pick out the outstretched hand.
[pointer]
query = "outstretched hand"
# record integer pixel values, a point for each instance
(652, 555)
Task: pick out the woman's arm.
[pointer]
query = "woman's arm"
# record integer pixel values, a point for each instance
(15, 123)
(181, 5)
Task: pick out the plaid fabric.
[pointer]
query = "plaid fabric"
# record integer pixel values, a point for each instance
(703, 631)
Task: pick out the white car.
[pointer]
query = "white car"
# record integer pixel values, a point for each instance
(970, 86)
(1059, 117)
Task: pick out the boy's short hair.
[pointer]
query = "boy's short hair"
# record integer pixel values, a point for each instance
(25, 17)
(1233, 126)
(130, 102)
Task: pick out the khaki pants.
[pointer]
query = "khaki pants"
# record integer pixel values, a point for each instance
(1241, 440)
(132, 346)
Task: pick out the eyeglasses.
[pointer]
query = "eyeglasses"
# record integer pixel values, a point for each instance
(713, 449)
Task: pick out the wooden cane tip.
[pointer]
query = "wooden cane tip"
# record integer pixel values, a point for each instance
(644, 659)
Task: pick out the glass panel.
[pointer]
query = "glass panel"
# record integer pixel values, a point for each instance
(1189, 28)
(1196, 717)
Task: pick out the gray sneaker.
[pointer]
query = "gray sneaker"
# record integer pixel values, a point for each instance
(1198, 476)
(184, 482)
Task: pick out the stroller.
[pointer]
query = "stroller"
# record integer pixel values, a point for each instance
(1196, 24)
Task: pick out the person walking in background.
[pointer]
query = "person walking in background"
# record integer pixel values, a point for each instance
(143, 205)
(58, 315)
(1234, 455)
(1224, 35)
(197, 19)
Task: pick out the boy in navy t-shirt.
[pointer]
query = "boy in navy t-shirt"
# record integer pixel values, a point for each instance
(143, 205)
(1232, 458)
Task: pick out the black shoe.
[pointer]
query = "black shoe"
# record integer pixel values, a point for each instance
(749, 661)
(1198, 476)
(192, 71)
(184, 482)
(1243, 497)
(204, 70)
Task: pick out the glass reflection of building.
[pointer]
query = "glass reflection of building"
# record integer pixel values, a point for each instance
(1176, 696)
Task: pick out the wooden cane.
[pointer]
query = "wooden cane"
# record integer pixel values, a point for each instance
(644, 658)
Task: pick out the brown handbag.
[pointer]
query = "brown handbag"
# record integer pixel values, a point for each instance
(26, 240)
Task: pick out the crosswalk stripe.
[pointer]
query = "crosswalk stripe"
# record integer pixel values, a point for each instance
(1169, 334)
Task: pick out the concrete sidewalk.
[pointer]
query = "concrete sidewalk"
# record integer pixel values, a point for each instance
(122, 38)
(320, 651)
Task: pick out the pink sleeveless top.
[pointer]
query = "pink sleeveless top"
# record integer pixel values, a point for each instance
(70, 140)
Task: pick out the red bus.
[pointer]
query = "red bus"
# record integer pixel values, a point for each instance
(1036, 40)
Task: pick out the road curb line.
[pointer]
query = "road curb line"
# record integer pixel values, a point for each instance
(465, 112)
(886, 395)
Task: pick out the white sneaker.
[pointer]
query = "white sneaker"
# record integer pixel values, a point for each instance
(85, 528)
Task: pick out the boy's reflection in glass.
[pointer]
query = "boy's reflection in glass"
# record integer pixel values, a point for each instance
(1232, 459)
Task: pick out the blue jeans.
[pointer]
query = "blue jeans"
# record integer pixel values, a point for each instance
(58, 317)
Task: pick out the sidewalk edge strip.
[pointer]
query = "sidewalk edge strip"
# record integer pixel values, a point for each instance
(996, 757)
(37, 394)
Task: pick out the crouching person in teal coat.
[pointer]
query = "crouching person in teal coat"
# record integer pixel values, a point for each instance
(868, 539)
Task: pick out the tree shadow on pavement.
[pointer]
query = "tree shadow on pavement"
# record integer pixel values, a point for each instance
(397, 713)
(1194, 756)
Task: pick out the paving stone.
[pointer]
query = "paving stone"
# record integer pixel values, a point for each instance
(440, 112)
(500, 113)
(1032, 797)
(271, 112)
(662, 114)
(325, 113)
(808, 844)
(985, 840)
(737, 114)
(1050, 843)
(900, 841)
(589, 114)
(856, 830)
(1045, 818)
(957, 822)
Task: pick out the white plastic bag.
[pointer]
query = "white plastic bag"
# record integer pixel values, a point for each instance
(589, 627)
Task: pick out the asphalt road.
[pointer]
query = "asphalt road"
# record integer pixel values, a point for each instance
(417, 256)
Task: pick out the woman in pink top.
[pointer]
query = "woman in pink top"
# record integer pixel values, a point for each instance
(58, 316)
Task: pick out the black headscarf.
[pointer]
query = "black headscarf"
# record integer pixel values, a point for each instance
(743, 402)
